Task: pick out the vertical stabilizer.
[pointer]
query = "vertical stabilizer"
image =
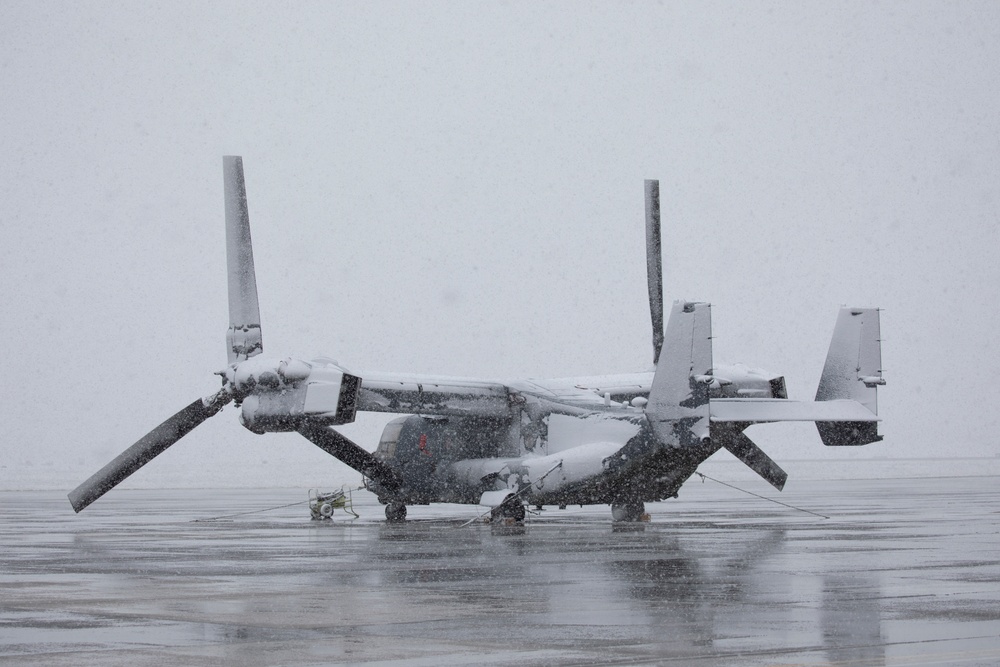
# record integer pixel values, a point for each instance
(853, 370)
(678, 408)
(244, 337)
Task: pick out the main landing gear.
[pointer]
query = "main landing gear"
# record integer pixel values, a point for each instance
(395, 512)
(511, 508)
(629, 512)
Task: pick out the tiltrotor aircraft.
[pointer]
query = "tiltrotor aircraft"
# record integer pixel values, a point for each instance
(622, 440)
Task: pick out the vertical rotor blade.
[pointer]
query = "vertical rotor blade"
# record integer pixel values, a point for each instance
(654, 265)
(146, 449)
(244, 337)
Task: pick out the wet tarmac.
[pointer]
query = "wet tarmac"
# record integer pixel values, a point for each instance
(904, 572)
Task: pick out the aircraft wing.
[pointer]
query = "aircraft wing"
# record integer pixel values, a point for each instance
(735, 381)
(428, 394)
(591, 389)
(475, 397)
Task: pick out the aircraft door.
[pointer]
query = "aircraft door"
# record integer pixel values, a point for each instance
(416, 447)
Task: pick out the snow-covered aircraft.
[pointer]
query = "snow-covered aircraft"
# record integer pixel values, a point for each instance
(622, 440)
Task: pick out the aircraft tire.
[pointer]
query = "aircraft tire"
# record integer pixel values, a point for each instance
(627, 512)
(515, 512)
(395, 512)
(508, 509)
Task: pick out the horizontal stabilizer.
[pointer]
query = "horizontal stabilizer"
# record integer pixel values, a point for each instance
(762, 410)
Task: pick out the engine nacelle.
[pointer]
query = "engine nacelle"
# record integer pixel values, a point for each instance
(280, 395)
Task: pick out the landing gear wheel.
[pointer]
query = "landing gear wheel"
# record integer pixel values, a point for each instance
(508, 509)
(516, 512)
(395, 512)
(627, 512)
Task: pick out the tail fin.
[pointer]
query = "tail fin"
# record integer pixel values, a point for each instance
(853, 370)
(678, 408)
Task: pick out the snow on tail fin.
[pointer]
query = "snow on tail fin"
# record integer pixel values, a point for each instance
(853, 370)
(678, 408)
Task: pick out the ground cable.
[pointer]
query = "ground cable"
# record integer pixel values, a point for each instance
(266, 509)
(704, 477)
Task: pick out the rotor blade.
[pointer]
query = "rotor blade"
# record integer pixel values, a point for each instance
(746, 450)
(244, 338)
(147, 448)
(338, 446)
(654, 265)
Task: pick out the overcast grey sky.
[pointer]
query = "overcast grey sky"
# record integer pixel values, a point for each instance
(456, 188)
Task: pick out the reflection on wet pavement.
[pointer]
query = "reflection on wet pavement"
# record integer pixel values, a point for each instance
(905, 572)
